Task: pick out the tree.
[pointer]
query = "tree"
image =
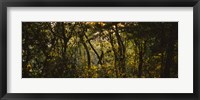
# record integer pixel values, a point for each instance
(100, 49)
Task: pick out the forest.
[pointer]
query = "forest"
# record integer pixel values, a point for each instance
(99, 49)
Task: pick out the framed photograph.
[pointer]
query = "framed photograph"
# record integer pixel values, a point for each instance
(102, 49)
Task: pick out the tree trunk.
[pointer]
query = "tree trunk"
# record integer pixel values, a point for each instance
(169, 60)
(140, 64)
(121, 50)
(115, 55)
(25, 72)
(162, 51)
(88, 55)
(99, 57)
(170, 50)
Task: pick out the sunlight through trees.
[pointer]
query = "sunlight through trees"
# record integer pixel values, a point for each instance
(99, 49)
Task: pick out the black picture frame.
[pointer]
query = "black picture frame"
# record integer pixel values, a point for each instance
(98, 3)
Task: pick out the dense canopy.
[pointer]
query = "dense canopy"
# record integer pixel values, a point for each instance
(99, 49)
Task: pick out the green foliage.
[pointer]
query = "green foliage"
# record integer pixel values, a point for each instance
(100, 49)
